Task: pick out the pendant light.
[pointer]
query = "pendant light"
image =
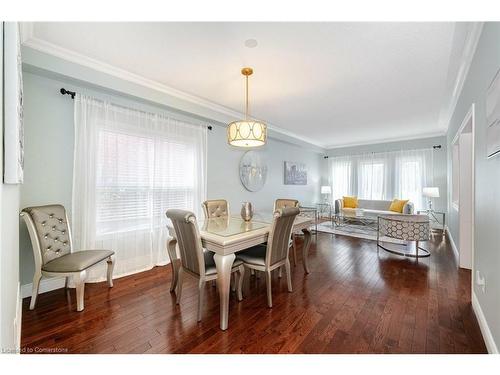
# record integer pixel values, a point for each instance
(247, 133)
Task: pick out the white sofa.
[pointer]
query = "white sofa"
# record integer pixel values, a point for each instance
(374, 207)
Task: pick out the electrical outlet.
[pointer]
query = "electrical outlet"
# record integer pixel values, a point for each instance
(480, 281)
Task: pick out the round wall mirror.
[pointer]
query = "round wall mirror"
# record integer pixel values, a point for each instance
(253, 170)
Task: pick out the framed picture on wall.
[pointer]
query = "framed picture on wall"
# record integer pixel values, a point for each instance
(295, 173)
(13, 105)
(493, 117)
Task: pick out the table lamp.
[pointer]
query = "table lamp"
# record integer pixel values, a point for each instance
(326, 190)
(430, 192)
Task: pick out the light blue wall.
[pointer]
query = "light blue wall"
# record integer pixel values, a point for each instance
(485, 65)
(49, 155)
(439, 160)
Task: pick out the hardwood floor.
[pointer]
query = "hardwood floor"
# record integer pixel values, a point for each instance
(353, 301)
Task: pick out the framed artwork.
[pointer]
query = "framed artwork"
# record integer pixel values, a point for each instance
(295, 173)
(253, 170)
(493, 117)
(13, 105)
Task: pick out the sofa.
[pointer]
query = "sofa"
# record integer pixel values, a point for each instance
(374, 207)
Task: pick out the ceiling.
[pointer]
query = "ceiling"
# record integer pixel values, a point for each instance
(332, 84)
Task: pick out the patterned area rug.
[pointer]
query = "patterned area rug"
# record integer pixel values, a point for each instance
(354, 230)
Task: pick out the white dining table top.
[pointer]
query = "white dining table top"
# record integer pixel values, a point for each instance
(228, 234)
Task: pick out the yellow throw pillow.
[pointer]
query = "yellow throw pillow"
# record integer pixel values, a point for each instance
(350, 202)
(397, 205)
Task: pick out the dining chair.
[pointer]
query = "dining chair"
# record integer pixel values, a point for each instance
(282, 203)
(274, 254)
(193, 260)
(215, 208)
(50, 235)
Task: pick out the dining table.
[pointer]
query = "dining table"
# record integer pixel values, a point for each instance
(227, 235)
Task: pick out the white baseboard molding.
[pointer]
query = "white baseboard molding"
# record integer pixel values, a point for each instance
(19, 317)
(46, 285)
(453, 246)
(483, 325)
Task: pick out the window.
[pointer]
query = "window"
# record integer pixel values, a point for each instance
(138, 178)
(411, 180)
(341, 178)
(371, 180)
(384, 175)
(130, 167)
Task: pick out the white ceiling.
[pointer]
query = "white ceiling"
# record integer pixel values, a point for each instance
(332, 83)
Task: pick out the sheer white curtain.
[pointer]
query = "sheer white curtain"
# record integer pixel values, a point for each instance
(341, 169)
(413, 172)
(383, 175)
(129, 168)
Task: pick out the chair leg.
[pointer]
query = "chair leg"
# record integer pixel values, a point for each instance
(180, 279)
(111, 266)
(79, 279)
(280, 272)
(66, 282)
(268, 285)
(288, 275)
(201, 290)
(252, 272)
(241, 273)
(34, 292)
(294, 252)
(233, 283)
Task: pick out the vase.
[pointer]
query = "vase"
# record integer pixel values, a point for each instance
(246, 211)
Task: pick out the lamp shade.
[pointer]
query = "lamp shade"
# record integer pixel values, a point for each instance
(431, 192)
(326, 189)
(246, 133)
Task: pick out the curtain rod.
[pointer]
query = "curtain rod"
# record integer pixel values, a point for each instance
(435, 147)
(63, 91)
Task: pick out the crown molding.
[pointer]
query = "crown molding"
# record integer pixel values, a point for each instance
(468, 51)
(388, 140)
(31, 41)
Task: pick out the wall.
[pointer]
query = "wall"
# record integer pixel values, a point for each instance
(439, 160)
(9, 249)
(49, 155)
(484, 66)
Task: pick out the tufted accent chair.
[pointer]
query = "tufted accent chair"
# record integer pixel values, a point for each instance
(215, 208)
(50, 236)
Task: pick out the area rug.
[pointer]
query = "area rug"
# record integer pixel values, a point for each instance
(353, 230)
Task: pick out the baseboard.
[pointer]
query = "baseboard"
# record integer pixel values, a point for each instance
(46, 285)
(19, 318)
(483, 325)
(453, 246)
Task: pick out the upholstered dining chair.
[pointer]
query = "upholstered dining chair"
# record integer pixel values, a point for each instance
(274, 254)
(50, 235)
(282, 203)
(194, 261)
(215, 208)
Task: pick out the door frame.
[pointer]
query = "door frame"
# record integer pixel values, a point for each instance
(470, 116)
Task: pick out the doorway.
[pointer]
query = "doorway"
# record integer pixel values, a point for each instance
(462, 200)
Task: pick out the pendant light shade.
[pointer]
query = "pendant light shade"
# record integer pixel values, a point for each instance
(247, 133)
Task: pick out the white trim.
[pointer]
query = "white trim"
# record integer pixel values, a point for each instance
(483, 325)
(466, 58)
(77, 58)
(46, 285)
(452, 243)
(19, 317)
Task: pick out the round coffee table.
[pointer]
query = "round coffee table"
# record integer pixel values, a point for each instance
(406, 228)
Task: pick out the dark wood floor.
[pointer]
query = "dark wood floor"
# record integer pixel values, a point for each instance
(353, 301)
